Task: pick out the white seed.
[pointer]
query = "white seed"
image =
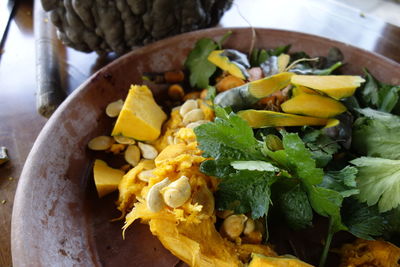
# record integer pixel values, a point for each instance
(177, 192)
(132, 155)
(192, 116)
(233, 226)
(145, 175)
(114, 108)
(154, 198)
(101, 143)
(193, 125)
(249, 227)
(148, 151)
(188, 106)
(120, 139)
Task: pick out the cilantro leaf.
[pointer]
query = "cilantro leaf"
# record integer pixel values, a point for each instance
(200, 68)
(321, 146)
(327, 202)
(229, 138)
(361, 220)
(246, 191)
(378, 95)
(343, 181)
(376, 134)
(296, 208)
(393, 225)
(298, 159)
(378, 180)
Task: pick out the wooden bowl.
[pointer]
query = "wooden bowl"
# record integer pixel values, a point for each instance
(58, 219)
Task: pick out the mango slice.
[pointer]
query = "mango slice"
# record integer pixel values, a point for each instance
(266, 118)
(238, 69)
(336, 86)
(106, 178)
(286, 261)
(140, 118)
(313, 105)
(269, 85)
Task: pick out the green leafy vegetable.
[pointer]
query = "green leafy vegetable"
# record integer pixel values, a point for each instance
(378, 180)
(377, 134)
(200, 68)
(237, 160)
(321, 146)
(362, 221)
(343, 181)
(378, 95)
(259, 56)
(297, 159)
(295, 208)
(228, 138)
(245, 191)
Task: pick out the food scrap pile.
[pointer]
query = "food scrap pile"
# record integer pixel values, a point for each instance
(252, 141)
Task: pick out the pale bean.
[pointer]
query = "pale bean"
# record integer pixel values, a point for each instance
(114, 108)
(188, 106)
(132, 155)
(192, 116)
(101, 143)
(148, 151)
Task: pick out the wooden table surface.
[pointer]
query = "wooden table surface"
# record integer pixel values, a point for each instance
(20, 124)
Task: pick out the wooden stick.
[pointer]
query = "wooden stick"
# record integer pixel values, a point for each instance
(50, 93)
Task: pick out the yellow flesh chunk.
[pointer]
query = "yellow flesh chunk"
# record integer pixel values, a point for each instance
(106, 178)
(263, 261)
(140, 118)
(336, 86)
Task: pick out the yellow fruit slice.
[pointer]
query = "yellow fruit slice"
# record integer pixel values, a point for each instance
(218, 58)
(269, 85)
(336, 86)
(266, 118)
(313, 105)
(106, 178)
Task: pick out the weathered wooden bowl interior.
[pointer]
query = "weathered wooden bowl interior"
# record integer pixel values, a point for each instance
(58, 219)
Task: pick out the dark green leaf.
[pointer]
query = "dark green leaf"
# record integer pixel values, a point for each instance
(327, 202)
(246, 191)
(295, 208)
(343, 181)
(321, 146)
(200, 68)
(229, 138)
(284, 49)
(361, 220)
(388, 97)
(377, 95)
